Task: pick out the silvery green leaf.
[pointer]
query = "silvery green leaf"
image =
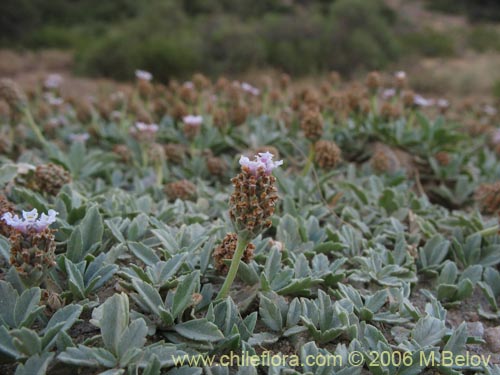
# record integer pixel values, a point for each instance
(26, 341)
(75, 251)
(184, 293)
(27, 307)
(270, 314)
(114, 321)
(456, 343)
(92, 229)
(199, 330)
(144, 253)
(147, 296)
(428, 331)
(7, 347)
(35, 365)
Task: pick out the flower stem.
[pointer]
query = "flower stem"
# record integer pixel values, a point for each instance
(309, 162)
(233, 269)
(34, 127)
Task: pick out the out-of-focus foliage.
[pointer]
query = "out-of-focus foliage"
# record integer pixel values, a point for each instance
(175, 38)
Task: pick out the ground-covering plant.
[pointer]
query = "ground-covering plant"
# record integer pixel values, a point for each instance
(187, 222)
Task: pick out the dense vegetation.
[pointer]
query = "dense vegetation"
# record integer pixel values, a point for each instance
(377, 233)
(175, 38)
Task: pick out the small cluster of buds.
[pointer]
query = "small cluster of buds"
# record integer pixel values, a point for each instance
(488, 197)
(5, 208)
(182, 189)
(312, 124)
(326, 154)
(12, 94)
(253, 200)
(32, 245)
(225, 251)
(216, 166)
(50, 178)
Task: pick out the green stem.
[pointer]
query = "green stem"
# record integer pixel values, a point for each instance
(34, 127)
(233, 269)
(310, 159)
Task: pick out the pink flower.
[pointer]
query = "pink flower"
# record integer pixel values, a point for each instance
(420, 101)
(388, 93)
(495, 137)
(144, 75)
(82, 137)
(250, 89)
(146, 128)
(30, 220)
(400, 75)
(53, 81)
(192, 120)
(262, 161)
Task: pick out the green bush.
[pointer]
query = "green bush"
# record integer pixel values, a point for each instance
(496, 89)
(166, 40)
(484, 38)
(429, 43)
(360, 36)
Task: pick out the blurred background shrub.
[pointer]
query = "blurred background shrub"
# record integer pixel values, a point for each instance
(177, 37)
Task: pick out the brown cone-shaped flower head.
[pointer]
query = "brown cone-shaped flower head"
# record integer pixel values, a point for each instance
(488, 197)
(254, 197)
(50, 178)
(182, 189)
(326, 154)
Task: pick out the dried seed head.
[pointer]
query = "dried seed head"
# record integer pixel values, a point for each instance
(179, 111)
(238, 114)
(175, 153)
(145, 88)
(389, 111)
(32, 254)
(200, 81)
(83, 112)
(443, 158)
(408, 98)
(123, 152)
(50, 178)
(5, 207)
(156, 152)
(12, 94)
(327, 154)
(487, 197)
(216, 166)
(373, 81)
(253, 200)
(312, 124)
(182, 189)
(225, 251)
(220, 118)
(284, 81)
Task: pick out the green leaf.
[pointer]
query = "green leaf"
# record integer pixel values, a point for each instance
(133, 337)
(184, 293)
(270, 313)
(114, 321)
(199, 330)
(92, 229)
(428, 331)
(144, 253)
(27, 307)
(35, 365)
(74, 250)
